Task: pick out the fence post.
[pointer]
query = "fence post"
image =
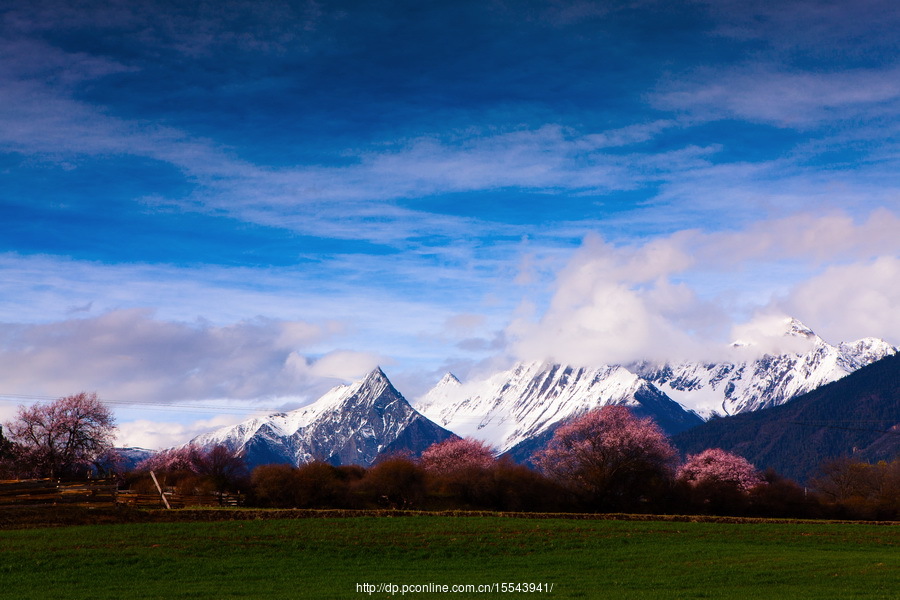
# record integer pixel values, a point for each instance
(161, 494)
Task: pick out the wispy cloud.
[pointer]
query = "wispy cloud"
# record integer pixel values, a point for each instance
(833, 30)
(782, 98)
(158, 434)
(42, 118)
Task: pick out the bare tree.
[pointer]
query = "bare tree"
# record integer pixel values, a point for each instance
(62, 438)
(8, 454)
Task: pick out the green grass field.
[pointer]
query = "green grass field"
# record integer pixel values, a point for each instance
(327, 558)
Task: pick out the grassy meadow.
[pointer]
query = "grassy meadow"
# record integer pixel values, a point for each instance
(328, 557)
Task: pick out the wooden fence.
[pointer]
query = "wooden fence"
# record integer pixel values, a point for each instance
(99, 492)
(139, 500)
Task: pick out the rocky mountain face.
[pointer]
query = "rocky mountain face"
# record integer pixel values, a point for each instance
(532, 399)
(351, 424)
(762, 381)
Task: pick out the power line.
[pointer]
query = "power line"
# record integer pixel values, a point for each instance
(153, 406)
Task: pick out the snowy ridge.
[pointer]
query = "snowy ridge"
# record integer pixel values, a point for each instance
(277, 424)
(517, 410)
(728, 388)
(510, 407)
(350, 424)
(531, 399)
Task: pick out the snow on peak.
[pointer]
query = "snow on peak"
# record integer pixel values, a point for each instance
(791, 361)
(449, 379)
(375, 375)
(514, 405)
(774, 335)
(350, 424)
(865, 351)
(797, 329)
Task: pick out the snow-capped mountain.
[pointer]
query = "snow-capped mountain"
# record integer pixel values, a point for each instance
(516, 411)
(737, 386)
(530, 400)
(133, 456)
(350, 424)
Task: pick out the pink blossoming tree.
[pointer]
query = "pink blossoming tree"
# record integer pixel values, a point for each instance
(716, 466)
(457, 454)
(188, 458)
(216, 468)
(613, 457)
(62, 438)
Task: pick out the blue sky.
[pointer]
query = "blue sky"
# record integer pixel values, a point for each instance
(210, 208)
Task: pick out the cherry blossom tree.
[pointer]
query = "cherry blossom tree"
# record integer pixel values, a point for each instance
(718, 482)
(720, 467)
(191, 467)
(457, 454)
(189, 459)
(459, 471)
(611, 456)
(218, 462)
(64, 437)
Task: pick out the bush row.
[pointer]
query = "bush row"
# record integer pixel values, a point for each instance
(403, 483)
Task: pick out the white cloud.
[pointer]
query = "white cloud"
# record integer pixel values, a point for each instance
(129, 355)
(614, 305)
(848, 302)
(347, 364)
(617, 304)
(817, 238)
(157, 435)
(765, 334)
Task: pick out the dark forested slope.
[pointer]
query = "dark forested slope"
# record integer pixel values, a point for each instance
(857, 416)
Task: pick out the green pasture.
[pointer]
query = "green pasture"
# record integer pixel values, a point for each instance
(327, 558)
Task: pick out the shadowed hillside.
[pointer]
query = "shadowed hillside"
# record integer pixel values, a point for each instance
(857, 416)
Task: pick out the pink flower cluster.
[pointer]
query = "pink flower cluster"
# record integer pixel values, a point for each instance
(604, 442)
(457, 454)
(717, 465)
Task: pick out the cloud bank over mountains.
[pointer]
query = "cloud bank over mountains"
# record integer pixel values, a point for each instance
(610, 305)
(614, 305)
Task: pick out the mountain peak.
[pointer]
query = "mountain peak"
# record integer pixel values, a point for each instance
(775, 335)
(371, 388)
(376, 375)
(533, 398)
(449, 379)
(349, 424)
(796, 328)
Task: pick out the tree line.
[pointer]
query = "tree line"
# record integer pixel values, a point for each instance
(607, 460)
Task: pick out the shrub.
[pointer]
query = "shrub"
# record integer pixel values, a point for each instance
(395, 482)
